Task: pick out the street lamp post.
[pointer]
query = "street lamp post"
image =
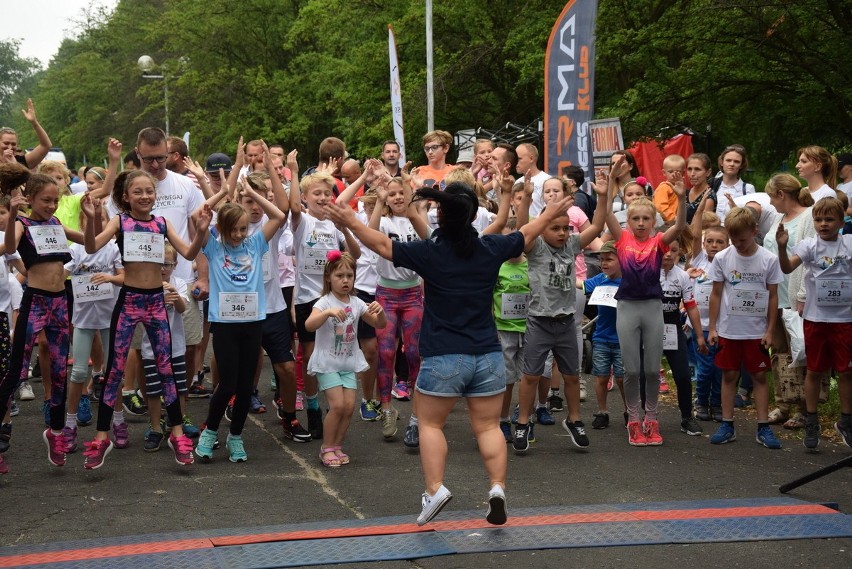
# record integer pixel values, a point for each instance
(147, 65)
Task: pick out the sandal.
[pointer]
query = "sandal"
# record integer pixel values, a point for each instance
(797, 421)
(330, 462)
(776, 416)
(342, 456)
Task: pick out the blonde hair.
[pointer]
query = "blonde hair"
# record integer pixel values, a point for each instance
(442, 136)
(480, 141)
(642, 202)
(740, 219)
(787, 184)
(674, 161)
(317, 177)
(49, 167)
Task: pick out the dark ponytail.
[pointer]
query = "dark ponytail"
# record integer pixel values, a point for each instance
(458, 206)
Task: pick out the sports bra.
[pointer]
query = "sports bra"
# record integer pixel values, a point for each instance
(27, 248)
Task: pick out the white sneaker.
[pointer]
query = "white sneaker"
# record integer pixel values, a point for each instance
(497, 514)
(25, 392)
(432, 505)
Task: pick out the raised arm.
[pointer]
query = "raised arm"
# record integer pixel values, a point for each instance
(522, 216)
(343, 216)
(195, 168)
(114, 153)
(92, 240)
(239, 162)
(697, 222)
(593, 231)
(375, 221)
(503, 208)
(788, 264)
(617, 169)
(278, 191)
(37, 154)
(275, 215)
(673, 232)
(202, 223)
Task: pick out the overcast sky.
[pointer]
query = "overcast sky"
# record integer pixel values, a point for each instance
(41, 25)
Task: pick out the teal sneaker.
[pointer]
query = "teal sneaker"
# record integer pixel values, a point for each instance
(206, 443)
(236, 448)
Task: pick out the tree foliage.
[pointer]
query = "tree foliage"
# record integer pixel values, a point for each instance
(16, 73)
(770, 74)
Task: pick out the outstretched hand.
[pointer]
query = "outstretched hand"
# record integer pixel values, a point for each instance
(114, 149)
(29, 113)
(341, 214)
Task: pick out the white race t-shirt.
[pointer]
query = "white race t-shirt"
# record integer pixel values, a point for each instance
(286, 270)
(745, 300)
(828, 278)
(702, 286)
(398, 229)
(271, 282)
(366, 276)
(313, 239)
(336, 347)
(175, 323)
(177, 199)
(94, 314)
(846, 188)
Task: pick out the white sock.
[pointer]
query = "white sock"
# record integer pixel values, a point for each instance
(70, 420)
(412, 421)
(117, 417)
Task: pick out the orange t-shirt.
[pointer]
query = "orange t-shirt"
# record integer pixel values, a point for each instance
(665, 200)
(436, 176)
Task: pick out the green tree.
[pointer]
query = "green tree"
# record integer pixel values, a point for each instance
(16, 73)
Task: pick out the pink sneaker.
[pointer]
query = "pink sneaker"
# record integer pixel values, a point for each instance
(57, 447)
(95, 453)
(652, 433)
(122, 435)
(635, 435)
(182, 447)
(4, 468)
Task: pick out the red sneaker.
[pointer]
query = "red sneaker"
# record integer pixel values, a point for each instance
(652, 433)
(635, 434)
(182, 446)
(57, 447)
(95, 453)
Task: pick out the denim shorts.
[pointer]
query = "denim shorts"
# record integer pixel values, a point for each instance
(462, 375)
(604, 356)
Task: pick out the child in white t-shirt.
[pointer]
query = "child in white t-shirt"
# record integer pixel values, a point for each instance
(336, 357)
(743, 311)
(828, 311)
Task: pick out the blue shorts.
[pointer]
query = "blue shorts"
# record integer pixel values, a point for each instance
(345, 379)
(604, 356)
(462, 375)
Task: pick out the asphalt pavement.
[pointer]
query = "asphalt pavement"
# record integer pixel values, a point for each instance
(284, 482)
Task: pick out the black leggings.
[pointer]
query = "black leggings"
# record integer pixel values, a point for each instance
(236, 346)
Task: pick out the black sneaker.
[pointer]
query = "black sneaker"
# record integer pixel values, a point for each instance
(811, 440)
(133, 404)
(153, 440)
(690, 426)
(198, 391)
(412, 436)
(716, 413)
(531, 432)
(601, 421)
(577, 432)
(521, 440)
(702, 413)
(294, 431)
(315, 423)
(555, 403)
(5, 436)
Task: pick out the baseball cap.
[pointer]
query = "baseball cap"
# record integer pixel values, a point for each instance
(608, 247)
(218, 160)
(844, 159)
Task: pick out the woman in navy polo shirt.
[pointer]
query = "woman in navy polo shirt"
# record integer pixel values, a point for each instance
(458, 340)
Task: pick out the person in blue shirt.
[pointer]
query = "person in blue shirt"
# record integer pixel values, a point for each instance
(606, 352)
(458, 342)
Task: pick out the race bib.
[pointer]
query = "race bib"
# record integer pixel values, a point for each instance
(748, 303)
(670, 337)
(514, 306)
(49, 239)
(144, 247)
(701, 293)
(314, 261)
(238, 306)
(604, 296)
(86, 291)
(833, 292)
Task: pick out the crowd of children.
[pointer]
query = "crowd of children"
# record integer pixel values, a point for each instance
(683, 274)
